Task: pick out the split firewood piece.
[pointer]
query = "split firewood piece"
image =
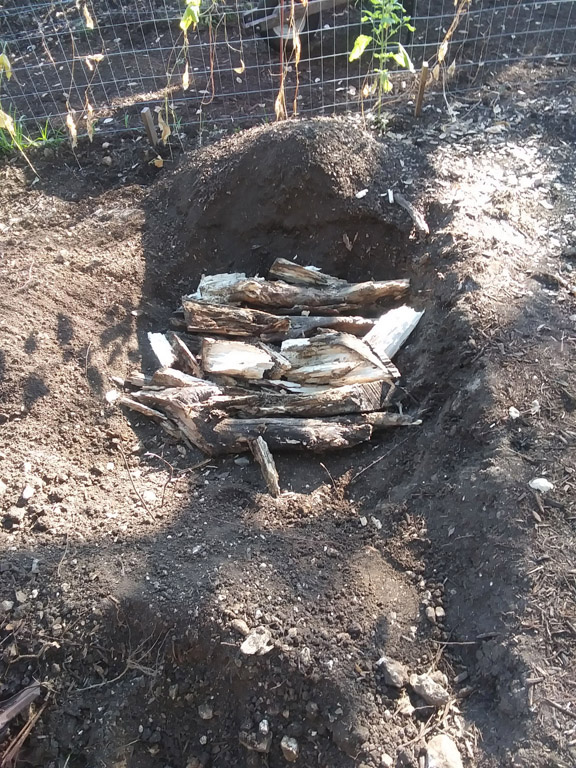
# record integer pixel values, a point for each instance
(185, 357)
(301, 327)
(138, 379)
(162, 349)
(236, 358)
(172, 377)
(335, 358)
(174, 400)
(266, 461)
(217, 436)
(136, 405)
(392, 330)
(296, 274)
(330, 401)
(278, 294)
(202, 317)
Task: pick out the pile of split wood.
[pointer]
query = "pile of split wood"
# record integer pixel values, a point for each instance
(301, 360)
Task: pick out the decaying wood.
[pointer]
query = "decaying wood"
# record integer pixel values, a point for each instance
(392, 330)
(138, 379)
(217, 436)
(303, 326)
(235, 358)
(162, 349)
(13, 706)
(202, 317)
(296, 274)
(172, 377)
(184, 356)
(419, 221)
(258, 292)
(174, 400)
(135, 405)
(335, 358)
(266, 461)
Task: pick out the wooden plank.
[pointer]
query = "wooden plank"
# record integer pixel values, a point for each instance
(296, 274)
(265, 459)
(235, 358)
(392, 330)
(202, 317)
(232, 289)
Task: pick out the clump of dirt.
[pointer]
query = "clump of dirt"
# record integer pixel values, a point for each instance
(134, 569)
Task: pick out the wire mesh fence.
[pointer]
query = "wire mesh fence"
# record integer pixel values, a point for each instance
(98, 62)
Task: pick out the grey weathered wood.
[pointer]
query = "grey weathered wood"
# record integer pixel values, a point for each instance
(392, 330)
(265, 459)
(172, 377)
(185, 357)
(303, 326)
(231, 289)
(148, 121)
(145, 410)
(235, 358)
(296, 274)
(202, 317)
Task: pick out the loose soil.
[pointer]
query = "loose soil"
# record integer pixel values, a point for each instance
(132, 562)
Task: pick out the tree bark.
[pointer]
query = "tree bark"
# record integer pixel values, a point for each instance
(296, 274)
(202, 317)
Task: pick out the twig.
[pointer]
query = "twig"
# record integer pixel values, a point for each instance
(136, 491)
(561, 281)
(560, 708)
(155, 455)
(86, 359)
(419, 220)
(378, 460)
(63, 556)
(11, 753)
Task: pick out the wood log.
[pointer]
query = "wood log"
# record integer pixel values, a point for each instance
(172, 377)
(145, 410)
(217, 436)
(162, 349)
(202, 317)
(335, 358)
(296, 274)
(265, 459)
(303, 326)
(174, 400)
(235, 358)
(231, 289)
(392, 330)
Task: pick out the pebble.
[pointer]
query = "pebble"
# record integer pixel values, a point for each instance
(242, 461)
(6, 606)
(386, 761)
(240, 626)
(205, 711)
(442, 752)
(431, 614)
(440, 613)
(107, 160)
(257, 643)
(15, 515)
(149, 496)
(290, 748)
(431, 691)
(395, 673)
(3, 488)
(28, 492)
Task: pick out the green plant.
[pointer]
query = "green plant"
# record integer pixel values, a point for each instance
(386, 18)
(15, 139)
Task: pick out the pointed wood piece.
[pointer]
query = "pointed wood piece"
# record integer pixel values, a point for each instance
(185, 357)
(135, 405)
(202, 317)
(162, 349)
(265, 459)
(392, 330)
(296, 274)
(172, 377)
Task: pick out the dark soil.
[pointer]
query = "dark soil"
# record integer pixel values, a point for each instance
(130, 562)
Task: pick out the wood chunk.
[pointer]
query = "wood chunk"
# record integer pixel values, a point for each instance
(335, 358)
(175, 399)
(231, 289)
(135, 405)
(235, 358)
(162, 349)
(392, 330)
(186, 359)
(265, 459)
(202, 317)
(138, 379)
(296, 274)
(300, 327)
(172, 377)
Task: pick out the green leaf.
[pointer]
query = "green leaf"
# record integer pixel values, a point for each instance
(384, 82)
(402, 59)
(191, 15)
(360, 45)
(5, 66)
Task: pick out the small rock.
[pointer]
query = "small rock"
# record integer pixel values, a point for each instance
(441, 752)
(106, 145)
(256, 742)
(107, 160)
(395, 673)
(386, 761)
(21, 596)
(363, 521)
(404, 705)
(264, 727)
(431, 614)
(15, 516)
(242, 461)
(440, 613)
(205, 711)
(312, 710)
(3, 488)
(332, 552)
(355, 630)
(541, 484)
(240, 626)
(257, 643)
(6, 606)
(27, 493)
(290, 748)
(514, 413)
(431, 691)
(149, 496)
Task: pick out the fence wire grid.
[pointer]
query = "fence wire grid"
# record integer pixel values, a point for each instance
(101, 61)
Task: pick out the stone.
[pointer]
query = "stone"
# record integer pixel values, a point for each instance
(386, 761)
(256, 741)
(14, 516)
(395, 673)
(6, 606)
(205, 711)
(290, 749)
(442, 752)
(440, 613)
(27, 493)
(3, 488)
(428, 689)
(107, 160)
(239, 625)
(257, 643)
(349, 738)
(431, 614)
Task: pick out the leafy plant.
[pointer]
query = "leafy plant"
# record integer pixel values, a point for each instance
(386, 18)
